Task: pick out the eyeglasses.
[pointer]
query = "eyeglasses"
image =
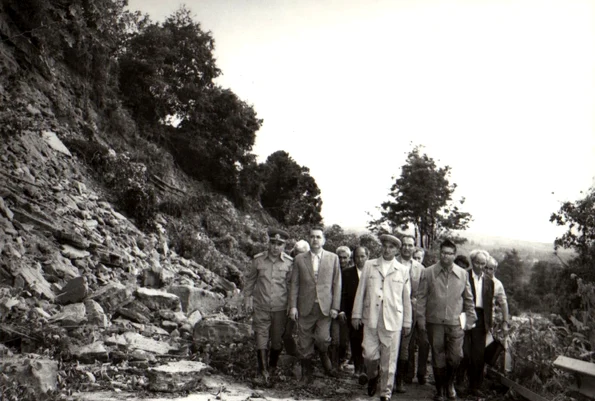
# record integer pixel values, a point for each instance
(447, 253)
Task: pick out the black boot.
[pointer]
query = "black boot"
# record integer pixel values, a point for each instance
(451, 373)
(273, 359)
(263, 363)
(440, 379)
(306, 372)
(400, 376)
(326, 364)
(260, 367)
(334, 357)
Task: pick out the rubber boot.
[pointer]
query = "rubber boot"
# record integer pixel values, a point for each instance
(326, 364)
(263, 360)
(334, 357)
(451, 373)
(400, 376)
(306, 372)
(440, 379)
(273, 359)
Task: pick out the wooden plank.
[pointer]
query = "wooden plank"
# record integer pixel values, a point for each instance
(575, 365)
(523, 391)
(584, 374)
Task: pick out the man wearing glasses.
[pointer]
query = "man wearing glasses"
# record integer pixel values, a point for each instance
(266, 293)
(444, 294)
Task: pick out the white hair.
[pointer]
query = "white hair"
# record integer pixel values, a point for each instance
(302, 246)
(345, 249)
(474, 253)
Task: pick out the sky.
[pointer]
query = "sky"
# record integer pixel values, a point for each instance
(501, 91)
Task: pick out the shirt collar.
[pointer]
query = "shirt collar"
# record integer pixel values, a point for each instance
(455, 269)
(476, 276)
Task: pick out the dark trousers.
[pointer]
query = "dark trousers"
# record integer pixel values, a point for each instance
(419, 338)
(447, 344)
(474, 350)
(340, 336)
(356, 337)
(288, 341)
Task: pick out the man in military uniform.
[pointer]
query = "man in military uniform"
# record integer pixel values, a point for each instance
(265, 293)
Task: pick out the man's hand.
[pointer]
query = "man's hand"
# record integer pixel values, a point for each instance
(293, 314)
(334, 314)
(406, 331)
(342, 317)
(248, 304)
(469, 326)
(356, 323)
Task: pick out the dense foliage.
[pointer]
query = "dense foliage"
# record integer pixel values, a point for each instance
(422, 198)
(290, 194)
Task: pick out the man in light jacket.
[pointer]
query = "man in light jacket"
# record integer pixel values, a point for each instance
(383, 305)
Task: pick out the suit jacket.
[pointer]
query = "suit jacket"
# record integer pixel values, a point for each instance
(488, 298)
(305, 289)
(393, 290)
(348, 290)
(415, 276)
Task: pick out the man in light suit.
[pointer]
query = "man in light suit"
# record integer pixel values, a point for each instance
(383, 304)
(314, 300)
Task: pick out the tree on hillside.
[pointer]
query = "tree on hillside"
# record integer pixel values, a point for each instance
(166, 68)
(579, 217)
(422, 198)
(290, 193)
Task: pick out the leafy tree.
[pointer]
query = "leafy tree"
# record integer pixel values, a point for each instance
(290, 193)
(422, 198)
(165, 69)
(579, 217)
(511, 272)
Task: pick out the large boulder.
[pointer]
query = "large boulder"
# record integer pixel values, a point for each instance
(221, 331)
(132, 341)
(74, 291)
(95, 314)
(71, 315)
(193, 298)
(156, 299)
(112, 296)
(38, 374)
(176, 376)
(90, 353)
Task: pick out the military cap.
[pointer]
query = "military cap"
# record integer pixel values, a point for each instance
(390, 238)
(276, 234)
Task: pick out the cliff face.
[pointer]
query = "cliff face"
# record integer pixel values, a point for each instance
(80, 282)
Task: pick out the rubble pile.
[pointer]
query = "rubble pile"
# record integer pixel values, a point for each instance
(87, 297)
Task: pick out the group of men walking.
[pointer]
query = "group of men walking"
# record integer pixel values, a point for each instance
(384, 307)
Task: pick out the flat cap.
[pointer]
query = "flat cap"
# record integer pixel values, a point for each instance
(390, 238)
(276, 234)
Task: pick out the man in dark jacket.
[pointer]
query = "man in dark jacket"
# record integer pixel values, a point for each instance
(349, 288)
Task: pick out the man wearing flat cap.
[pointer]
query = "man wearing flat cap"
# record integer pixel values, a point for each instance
(266, 292)
(383, 305)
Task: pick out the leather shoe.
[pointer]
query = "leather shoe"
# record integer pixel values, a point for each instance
(421, 380)
(384, 398)
(362, 379)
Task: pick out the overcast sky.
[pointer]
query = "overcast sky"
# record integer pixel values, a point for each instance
(502, 91)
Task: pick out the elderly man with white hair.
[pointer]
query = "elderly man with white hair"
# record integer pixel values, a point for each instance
(482, 288)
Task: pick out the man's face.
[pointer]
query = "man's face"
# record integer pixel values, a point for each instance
(389, 250)
(343, 259)
(276, 247)
(479, 263)
(447, 256)
(316, 240)
(360, 258)
(419, 256)
(407, 248)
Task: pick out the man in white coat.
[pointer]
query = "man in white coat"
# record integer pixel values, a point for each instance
(383, 305)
